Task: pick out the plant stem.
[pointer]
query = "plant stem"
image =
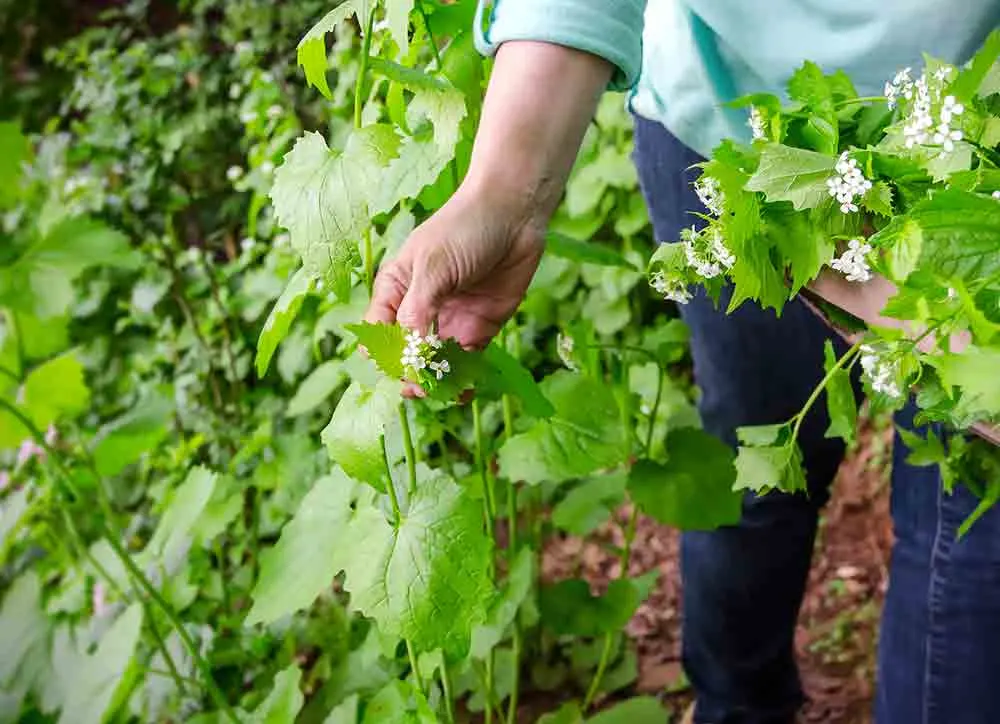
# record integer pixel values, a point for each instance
(602, 666)
(820, 387)
(484, 477)
(390, 485)
(369, 261)
(366, 49)
(488, 709)
(133, 570)
(508, 432)
(662, 373)
(446, 690)
(411, 456)
(411, 654)
(430, 36)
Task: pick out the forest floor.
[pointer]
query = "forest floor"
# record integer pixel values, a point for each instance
(838, 624)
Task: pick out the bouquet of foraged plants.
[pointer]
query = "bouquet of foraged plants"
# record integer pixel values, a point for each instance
(884, 213)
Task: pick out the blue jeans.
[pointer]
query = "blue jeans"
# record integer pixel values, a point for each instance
(939, 648)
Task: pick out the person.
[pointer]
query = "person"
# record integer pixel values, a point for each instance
(468, 266)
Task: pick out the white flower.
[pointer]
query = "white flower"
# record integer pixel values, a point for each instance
(706, 252)
(235, 89)
(414, 339)
(901, 84)
(234, 172)
(848, 184)
(51, 435)
(942, 73)
(433, 340)
(674, 289)
(996, 195)
(881, 373)
(267, 168)
(564, 347)
(946, 137)
(244, 46)
(266, 77)
(275, 111)
(710, 194)
(949, 108)
(248, 117)
(248, 244)
(440, 369)
(853, 263)
(756, 123)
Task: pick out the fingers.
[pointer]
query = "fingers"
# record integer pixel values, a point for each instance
(419, 308)
(387, 295)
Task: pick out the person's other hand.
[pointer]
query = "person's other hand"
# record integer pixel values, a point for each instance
(466, 268)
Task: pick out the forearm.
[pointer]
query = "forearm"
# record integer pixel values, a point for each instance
(541, 98)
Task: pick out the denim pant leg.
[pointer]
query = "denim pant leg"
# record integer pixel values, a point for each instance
(743, 585)
(939, 646)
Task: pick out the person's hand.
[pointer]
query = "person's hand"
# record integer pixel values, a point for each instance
(466, 268)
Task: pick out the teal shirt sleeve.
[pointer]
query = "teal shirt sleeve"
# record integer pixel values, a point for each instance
(611, 29)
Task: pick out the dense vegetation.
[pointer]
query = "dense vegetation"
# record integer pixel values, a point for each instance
(180, 540)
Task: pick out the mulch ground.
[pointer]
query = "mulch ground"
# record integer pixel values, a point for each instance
(838, 623)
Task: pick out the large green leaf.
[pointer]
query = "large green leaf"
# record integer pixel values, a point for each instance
(590, 503)
(125, 439)
(284, 701)
(585, 252)
(693, 490)
(283, 313)
(793, 174)
(427, 579)
(641, 710)
(768, 459)
(505, 375)
(305, 560)
(584, 434)
(384, 344)
(51, 392)
(312, 47)
(106, 672)
(976, 371)
(40, 281)
(317, 388)
(353, 437)
(321, 196)
(504, 610)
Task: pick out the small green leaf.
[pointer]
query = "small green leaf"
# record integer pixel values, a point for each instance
(968, 82)
(305, 560)
(879, 199)
(399, 702)
(641, 710)
(840, 402)
(903, 246)
(590, 503)
(279, 321)
(569, 609)
(584, 434)
(793, 174)
(284, 701)
(426, 579)
(346, 712)
(353, 437)
(922, 451)
(172, 536)
(312, 47)
(584, 252)
(384, 344)
(975, 372)
(693, 490)
(125, 439)
(763, 469)
(23, 624)
(317, 388)
(51, 392)
(14, 151)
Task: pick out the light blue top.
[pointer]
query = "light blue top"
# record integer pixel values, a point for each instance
(682, 59)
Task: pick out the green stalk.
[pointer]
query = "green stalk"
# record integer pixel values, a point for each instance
(417, 678)
(446, 689)
(138, 577)
(821, 386)
(366, 50)
(484, 476)
(411, 455)
(655, 410)
(508, 432)
(390, 485)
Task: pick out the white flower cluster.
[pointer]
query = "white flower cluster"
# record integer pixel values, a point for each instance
(882, 374)
(848, 184)
(419, 354)
(711, 195)
(853, 263)
(706, 252)
(756, 123)
(674, 289)
(920, 127)
(564, 347)
(996, 195)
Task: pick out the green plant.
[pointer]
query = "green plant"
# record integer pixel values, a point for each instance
(906, 186)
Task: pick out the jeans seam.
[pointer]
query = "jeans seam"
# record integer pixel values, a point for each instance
(933, 599)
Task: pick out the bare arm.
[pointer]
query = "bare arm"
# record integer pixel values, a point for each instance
(468, 266)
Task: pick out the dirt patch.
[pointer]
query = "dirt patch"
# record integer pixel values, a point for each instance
(838, 624)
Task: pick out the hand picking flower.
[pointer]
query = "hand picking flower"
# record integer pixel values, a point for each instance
(853, 263)
(420, 353)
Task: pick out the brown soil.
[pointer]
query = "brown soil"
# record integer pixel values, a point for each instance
(838, 624)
